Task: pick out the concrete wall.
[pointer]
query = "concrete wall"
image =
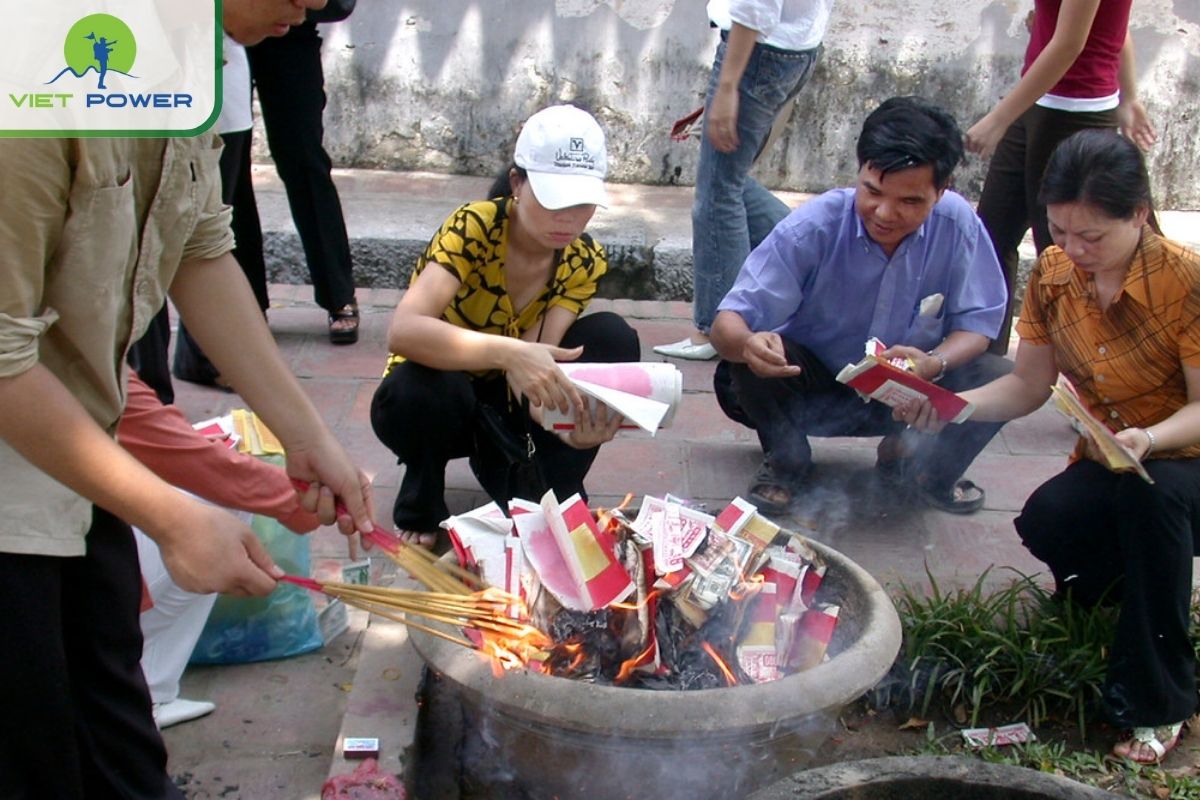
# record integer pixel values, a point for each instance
(444, 85)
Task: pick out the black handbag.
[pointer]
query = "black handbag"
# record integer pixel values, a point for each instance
(505, 460)
(334, 11)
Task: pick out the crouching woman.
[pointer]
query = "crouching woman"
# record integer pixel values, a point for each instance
(494, 304)
(1115, 307)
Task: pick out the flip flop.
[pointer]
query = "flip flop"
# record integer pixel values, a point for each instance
(1160, 740)
(964, 498)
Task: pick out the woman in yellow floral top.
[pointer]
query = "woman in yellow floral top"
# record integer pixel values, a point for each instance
(1116, 309)
(494, 304)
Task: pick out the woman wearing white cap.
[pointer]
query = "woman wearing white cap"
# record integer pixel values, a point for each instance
(471, 342)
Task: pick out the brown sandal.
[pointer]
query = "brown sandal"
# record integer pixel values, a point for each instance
(345, 334)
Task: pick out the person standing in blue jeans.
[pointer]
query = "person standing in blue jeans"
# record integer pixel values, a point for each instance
(767, 52)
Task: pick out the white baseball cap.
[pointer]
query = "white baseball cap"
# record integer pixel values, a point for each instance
(562, 149)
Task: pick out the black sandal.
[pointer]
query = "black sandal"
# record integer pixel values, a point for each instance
(349, 333)
(965, 497)
(771, 492)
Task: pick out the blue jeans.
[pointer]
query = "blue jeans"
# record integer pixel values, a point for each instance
(731, 211)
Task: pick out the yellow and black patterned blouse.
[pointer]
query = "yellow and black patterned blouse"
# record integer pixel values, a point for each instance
(472, 245)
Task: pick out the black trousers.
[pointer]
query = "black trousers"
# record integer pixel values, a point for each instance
(786, 411)
(237, 191)
(1009, 204)
(428, 417)
(1112, 536)
(290, 83)
(76, 720)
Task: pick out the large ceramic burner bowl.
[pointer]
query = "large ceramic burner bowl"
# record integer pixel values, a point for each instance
(537, 736)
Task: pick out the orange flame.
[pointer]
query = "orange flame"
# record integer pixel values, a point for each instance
(636, 606)
(730, 678)
(629, 665)
(748, 587)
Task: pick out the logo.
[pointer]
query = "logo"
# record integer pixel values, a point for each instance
(148, 68)
(577, 144)
(107, 45)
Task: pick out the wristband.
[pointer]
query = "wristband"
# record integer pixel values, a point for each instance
(941, 372)
(1153, 442)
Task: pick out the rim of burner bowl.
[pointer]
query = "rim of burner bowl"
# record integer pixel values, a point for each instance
(651, 714)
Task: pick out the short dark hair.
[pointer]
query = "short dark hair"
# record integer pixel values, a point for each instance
(906, 132)
(1101, 168)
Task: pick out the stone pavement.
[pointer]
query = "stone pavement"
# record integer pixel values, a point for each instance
(277, 728)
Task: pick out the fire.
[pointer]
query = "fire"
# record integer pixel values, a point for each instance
(730, 678)
(636, 606)
(747, 587)
(513, 646)
(629, 665)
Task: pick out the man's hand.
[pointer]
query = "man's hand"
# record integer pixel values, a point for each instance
(332, 481)
(532, 371)
(766, 358)
(210, 550)
(722, 118)
(924, 366)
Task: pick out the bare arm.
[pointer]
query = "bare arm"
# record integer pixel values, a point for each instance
(1016, 394)
(205, 549)
(1131, 114)
(1075, 19)
(418, 332)
(216, 303)
(722, 114)
(1181, 429)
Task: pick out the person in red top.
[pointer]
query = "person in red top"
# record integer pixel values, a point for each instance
(1078, 74)
(172, 620)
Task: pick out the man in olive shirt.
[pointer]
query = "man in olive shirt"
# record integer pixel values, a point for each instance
(95, 232)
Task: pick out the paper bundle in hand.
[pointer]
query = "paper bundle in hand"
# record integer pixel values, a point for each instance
(646, 394)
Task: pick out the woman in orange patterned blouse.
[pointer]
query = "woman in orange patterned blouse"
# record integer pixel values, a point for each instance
(1115, 307)
(494, 304)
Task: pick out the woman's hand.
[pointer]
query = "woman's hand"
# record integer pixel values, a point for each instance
(593, 428)
(1135, 124)
(532, 371)
(919, 413)
(1135, 439)
(983, 137)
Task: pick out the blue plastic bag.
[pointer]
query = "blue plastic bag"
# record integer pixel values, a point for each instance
(282, 624)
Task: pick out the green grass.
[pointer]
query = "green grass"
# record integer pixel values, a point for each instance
(1017, 649)
(990, 656)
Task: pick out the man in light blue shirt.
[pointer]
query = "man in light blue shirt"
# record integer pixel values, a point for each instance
(897, 257)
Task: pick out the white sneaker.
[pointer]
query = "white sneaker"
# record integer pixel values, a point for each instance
(180, 710)
(704, 351)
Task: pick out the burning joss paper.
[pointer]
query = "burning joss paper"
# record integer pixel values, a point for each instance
(675, 531)
(811, 638)
(756, 653)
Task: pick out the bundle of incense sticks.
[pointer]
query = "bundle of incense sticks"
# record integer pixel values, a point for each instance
(434, 573)
(485, 611)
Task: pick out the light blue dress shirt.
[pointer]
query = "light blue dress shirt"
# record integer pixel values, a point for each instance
(820, 280)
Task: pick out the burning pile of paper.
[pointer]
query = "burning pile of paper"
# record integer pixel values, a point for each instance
(674, 598)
